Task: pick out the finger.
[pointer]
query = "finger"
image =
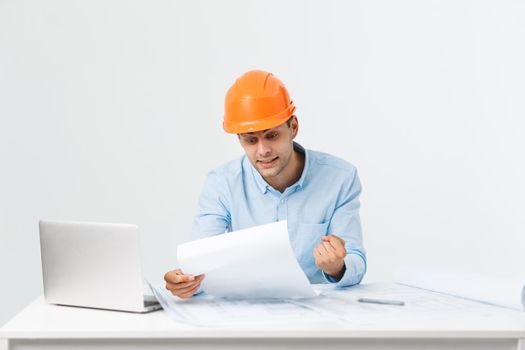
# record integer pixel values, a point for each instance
(322, 256)
(338, 244)
(330, 251)
(198, 279)
(182, 278)
(320, 250)
(189, 293)
(167, 275)
(317, 252)
(329, 247)
(333, 240)
(187, 289)
(177, 276)
(330, 241)
(336, 240)
(325, 248)
(176, 286)
(318, 258)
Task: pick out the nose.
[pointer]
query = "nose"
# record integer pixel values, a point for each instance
(263, 149)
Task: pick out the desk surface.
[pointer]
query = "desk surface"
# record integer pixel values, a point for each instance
(40, 321)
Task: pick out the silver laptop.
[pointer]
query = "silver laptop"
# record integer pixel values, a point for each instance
(94, 265)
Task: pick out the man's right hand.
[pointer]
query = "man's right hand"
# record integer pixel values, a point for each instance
(181, 285)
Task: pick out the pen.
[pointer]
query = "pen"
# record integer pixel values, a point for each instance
(381, 301)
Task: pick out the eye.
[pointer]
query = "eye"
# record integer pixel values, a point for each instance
(272, 136)
(251, 140)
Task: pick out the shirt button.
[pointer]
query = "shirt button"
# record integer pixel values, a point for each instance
(282, 201)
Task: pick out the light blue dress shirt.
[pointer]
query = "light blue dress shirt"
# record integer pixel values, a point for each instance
(324, 200)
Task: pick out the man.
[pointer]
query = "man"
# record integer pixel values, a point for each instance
(277, 179)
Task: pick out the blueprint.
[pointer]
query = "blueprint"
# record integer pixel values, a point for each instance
(333, 306)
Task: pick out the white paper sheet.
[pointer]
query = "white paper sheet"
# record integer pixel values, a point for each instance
(484, 288)
(253, 263)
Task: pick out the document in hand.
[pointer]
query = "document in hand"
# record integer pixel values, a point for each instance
(257, 262)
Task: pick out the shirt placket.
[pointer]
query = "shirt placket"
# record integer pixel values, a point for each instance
(282, 208)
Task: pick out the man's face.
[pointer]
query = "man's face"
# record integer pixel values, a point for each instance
(270, 151)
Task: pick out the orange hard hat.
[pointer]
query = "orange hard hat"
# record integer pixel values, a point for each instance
(256, 101)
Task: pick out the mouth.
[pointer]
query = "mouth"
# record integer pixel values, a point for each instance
(267, 163)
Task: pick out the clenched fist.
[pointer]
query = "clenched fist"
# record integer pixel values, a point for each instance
(329, 256)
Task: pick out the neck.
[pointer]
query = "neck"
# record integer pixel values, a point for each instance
(290, 175)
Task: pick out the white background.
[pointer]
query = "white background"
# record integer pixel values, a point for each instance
(112, 111)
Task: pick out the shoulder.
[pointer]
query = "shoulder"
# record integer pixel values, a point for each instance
(221, 180)
(327, 162)
(336, 173)
(229, 173)
(232, 168)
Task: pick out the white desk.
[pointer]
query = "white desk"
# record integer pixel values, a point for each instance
(45, 326)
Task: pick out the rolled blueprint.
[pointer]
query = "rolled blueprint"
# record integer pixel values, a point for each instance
(505, 292)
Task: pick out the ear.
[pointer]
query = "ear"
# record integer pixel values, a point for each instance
(294, 125)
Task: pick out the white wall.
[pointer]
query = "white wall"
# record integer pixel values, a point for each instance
(112, 111)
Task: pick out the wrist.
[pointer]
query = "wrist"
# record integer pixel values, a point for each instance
(337, 274)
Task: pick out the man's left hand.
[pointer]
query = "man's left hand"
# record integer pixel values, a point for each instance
(329, 255)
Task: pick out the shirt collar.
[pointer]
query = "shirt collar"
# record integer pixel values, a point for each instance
(264, 186)
(297, 147)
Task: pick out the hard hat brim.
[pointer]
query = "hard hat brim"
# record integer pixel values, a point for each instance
(264, 124)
